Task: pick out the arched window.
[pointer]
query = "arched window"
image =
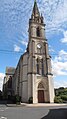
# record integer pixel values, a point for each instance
(38, 32)
(37, 66)
(42, 67)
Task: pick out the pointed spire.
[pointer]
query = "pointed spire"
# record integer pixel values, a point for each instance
(35, 12)
(36, 17)
(35, 1)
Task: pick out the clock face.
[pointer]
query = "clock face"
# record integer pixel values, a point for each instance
(39, 45)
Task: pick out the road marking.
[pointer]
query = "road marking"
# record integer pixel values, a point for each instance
(3, 117)
(6, 108)
(1, 110)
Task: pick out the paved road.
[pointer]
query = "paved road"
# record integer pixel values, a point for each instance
(56, 114)
(25, 112)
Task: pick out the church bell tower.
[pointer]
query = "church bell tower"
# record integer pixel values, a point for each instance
(40, 82)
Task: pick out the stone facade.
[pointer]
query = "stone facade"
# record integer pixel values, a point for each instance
(33, 77)
(7, 83)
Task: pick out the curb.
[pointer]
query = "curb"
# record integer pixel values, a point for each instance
(14, 105)
(35, 105)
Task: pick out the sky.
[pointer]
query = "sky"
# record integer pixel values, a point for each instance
(14, 24)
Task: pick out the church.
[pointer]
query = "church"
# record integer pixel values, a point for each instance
(33, 75)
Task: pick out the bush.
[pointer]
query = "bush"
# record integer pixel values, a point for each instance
(30, 100)
(64, 97)
(17, 99)
(58, 99)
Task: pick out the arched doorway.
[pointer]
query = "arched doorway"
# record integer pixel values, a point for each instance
(41, 93)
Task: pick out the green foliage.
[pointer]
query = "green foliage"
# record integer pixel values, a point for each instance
(64, 97)
(58, 99)
(17, 99)
(61, 91)
(30, 100)
(60, 95)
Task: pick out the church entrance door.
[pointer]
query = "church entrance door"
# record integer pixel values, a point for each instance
(40, 96)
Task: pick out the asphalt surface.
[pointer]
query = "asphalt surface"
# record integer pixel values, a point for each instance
(25, 112)
(56, 114)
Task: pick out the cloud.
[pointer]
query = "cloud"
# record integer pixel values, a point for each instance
(60, 83)
(24, 42)
(59, 64)
(1, 80)
(62, 56)
(16, 15)
(59, 68)
(55, 14)
(17, 48)
(64, 40)
(51, 49)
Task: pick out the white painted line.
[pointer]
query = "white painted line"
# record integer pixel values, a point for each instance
(1, 110)
(6, 108)
(3, 117)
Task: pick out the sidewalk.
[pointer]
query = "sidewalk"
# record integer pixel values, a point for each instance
(15, 105)
(43, 104)
(36, 105)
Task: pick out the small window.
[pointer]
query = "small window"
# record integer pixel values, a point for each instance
(38, 32)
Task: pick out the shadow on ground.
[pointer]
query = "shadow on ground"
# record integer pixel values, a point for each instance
(56, 114)
(5, 102)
